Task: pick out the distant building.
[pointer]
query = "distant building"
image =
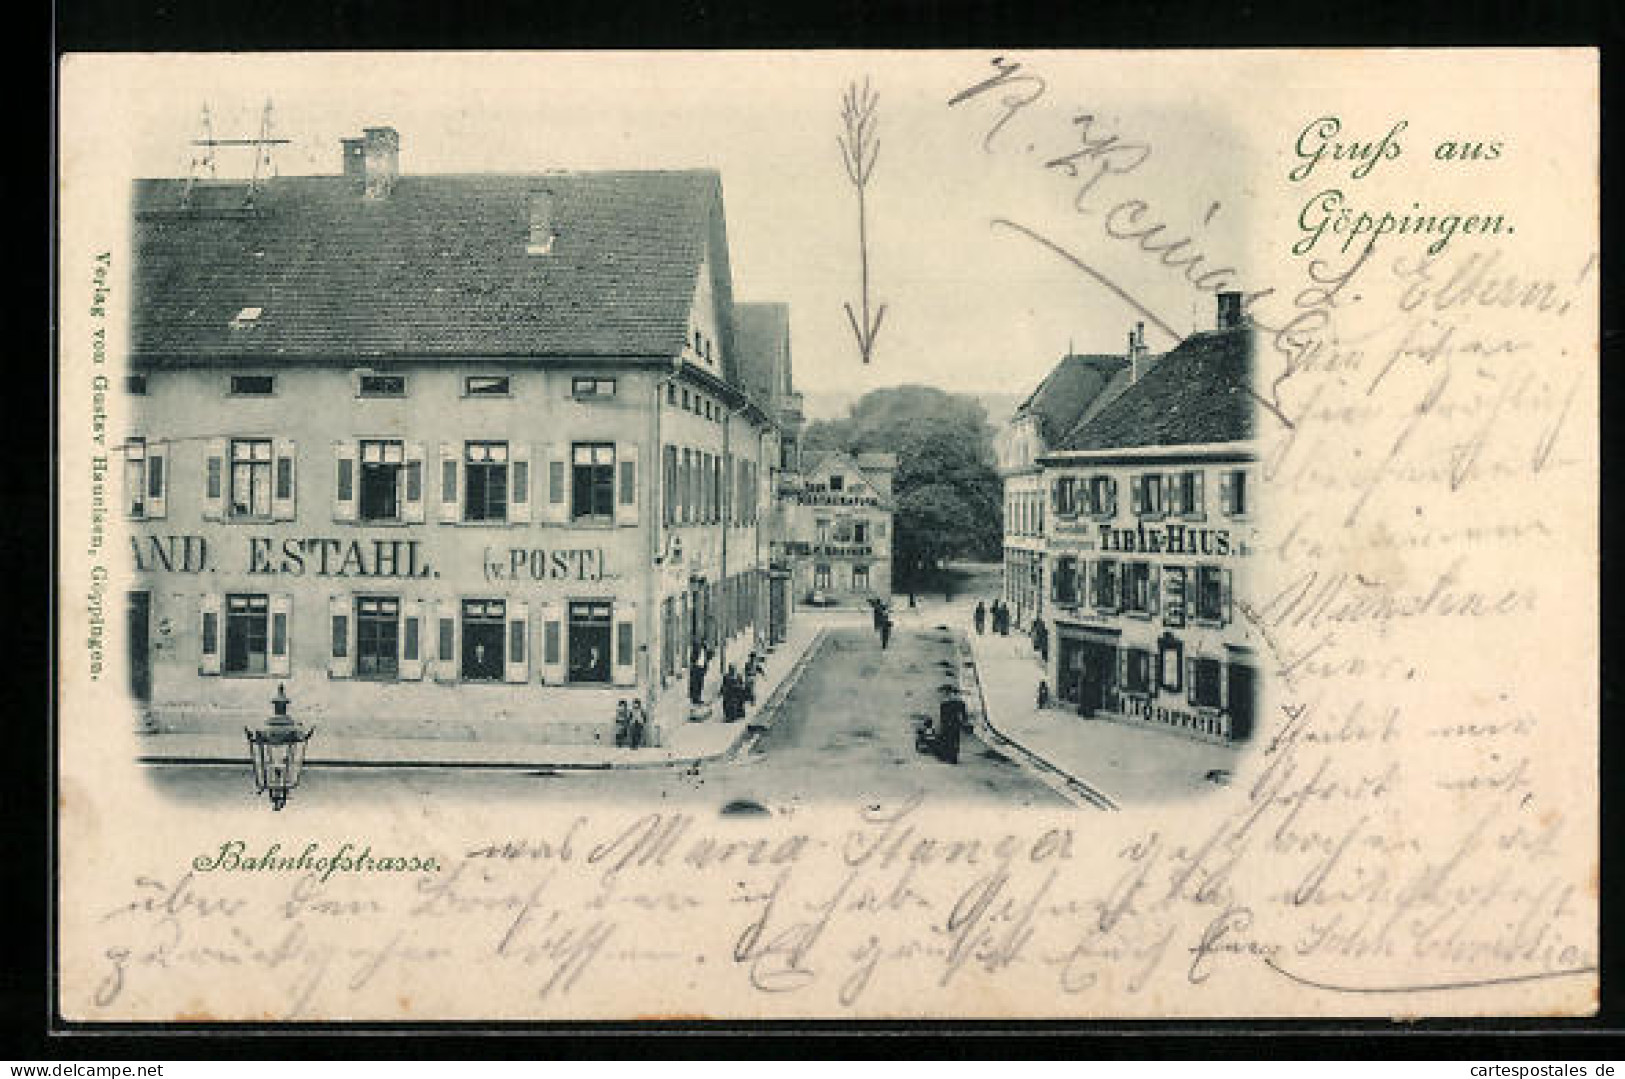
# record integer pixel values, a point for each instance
(839, 537)
(452, 456)
(1149, 536)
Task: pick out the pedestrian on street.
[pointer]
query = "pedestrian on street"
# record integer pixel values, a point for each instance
(980, 617)
(1004, 619)
(877, 610)
(885, 631)
(911, 599)
(696, 675)
(733, 697)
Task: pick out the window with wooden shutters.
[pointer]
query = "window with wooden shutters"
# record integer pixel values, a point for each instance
(625, 621)
(377, 637)
(1208, 601)
(157, 480)
(519, 501)
(209, 634)
(340, 663)
(135, 478)
(592, 481)
(214, 487)
(626, 502)
(450, 466)
(412, 641)
(518, 658)
(668, 485)
(249, 494)
(247, 634)
(412, 510)
(383, 480)
(1106, 596)
(282, 480)
(485, 481)
(1137, 671)
(1137, 587)
(281, 626)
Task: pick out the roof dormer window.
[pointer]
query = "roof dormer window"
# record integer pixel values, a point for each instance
(248, 316)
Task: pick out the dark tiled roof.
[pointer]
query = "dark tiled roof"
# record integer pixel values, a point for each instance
(1200, 392)
(1074, 385)
(762, 343)
(439, 267)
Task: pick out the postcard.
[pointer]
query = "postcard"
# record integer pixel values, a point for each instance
(984, 534)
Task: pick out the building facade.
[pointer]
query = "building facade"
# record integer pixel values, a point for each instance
(462, 456)
(839, 527)
(1152, 503)
(1076, 384)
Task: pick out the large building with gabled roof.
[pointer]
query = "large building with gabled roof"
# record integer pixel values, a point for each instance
(451, 456)
(1145, 530)
(1152, 501)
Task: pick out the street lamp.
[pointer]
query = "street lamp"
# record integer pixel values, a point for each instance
(277, 750)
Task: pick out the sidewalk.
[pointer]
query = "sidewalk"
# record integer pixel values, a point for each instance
(1132, 764)
(682, 740)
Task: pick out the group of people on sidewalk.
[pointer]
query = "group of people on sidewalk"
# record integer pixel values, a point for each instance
(738, 690)
(998, 614)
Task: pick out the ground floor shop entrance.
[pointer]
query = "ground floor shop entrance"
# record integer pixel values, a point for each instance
(1087, 674)
(1243, 701)
(590, 624)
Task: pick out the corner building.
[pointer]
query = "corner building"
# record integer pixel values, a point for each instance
(1151, 508)
(452, 456)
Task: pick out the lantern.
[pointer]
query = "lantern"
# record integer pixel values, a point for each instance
(277, 751)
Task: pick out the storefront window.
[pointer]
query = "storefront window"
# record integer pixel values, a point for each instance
(246, 622)
(485, 486)
(592, 480)
(860, 578)
(821, 577)
(251, 477)
(381, 469)
(1205, 684)
(377, 636)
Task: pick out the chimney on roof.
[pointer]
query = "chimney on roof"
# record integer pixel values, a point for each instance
(1136, 351)
(374, 159)
(1229, 310)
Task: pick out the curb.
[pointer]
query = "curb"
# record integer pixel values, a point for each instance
(1053, 776)
(767, 715)
(751, 729)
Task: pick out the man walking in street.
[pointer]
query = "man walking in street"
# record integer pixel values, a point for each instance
(885, 630)
(696, 674)
(980, 617)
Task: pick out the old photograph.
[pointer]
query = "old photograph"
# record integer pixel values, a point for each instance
(812, 534)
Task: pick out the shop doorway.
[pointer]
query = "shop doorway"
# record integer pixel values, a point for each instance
(483, 623)
(590, 625)
(1087, 675)
(139, 635)
(1243, 701)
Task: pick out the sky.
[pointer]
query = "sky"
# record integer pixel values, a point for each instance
(970, 306)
